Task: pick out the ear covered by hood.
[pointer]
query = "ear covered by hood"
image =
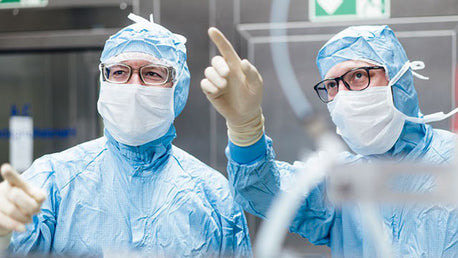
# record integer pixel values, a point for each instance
(147, 37)
(377, 44)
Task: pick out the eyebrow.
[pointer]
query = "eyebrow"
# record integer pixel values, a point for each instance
(346, 70)
(350, 68)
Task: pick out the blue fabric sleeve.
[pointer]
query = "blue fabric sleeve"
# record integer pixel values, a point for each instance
(246, 155)
(257, 180)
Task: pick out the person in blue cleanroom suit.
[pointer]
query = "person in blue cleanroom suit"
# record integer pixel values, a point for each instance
(131, 190)
(368, 85)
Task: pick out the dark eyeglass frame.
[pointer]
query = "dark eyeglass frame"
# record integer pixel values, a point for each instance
(170, 73)
(341, 78)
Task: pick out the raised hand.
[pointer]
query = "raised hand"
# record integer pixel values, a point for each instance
(234, 87)
(18, 201)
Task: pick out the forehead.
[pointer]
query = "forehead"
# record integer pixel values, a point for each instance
(344, 67)
(136, 63)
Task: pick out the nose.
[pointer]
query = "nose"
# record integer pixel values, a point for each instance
(342, 85)
(135, 78)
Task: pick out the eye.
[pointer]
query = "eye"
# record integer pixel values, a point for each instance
(330, 85)
(357, 79)
(154, 74)
(117, 71)
(357, 75)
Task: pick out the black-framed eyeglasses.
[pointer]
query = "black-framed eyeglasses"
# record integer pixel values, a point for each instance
(151, 74)
(356, 79)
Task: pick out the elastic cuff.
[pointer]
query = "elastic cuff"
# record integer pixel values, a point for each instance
(248, 154)
(248, 133)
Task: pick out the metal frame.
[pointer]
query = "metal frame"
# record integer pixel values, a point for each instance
(54, 40)
(86, 3)
(70, 4)
(74, 39)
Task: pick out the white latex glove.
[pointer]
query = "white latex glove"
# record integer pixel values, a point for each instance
(18, 201)
(234, 87)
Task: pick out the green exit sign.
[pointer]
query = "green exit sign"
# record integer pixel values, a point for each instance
(9, 4)
(339, 10)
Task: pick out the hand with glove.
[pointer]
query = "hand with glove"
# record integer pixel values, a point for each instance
(234, 87)
(19, 201)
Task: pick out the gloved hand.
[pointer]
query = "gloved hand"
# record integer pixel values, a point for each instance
(234, 87)
(18, 201)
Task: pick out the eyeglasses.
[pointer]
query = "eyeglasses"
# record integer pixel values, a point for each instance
(356, 79)
(151, 74)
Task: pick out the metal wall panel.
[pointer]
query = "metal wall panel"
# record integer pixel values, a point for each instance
(60, 92)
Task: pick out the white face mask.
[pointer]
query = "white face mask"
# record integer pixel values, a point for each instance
(135, 114)
(367, 120)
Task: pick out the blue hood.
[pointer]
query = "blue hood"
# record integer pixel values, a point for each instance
(151, 38)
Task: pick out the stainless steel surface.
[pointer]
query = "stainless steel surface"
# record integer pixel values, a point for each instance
(70, 18)
(86, 3)
(46, 40)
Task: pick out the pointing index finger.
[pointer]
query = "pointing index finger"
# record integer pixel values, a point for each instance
(10, 175)
(13, 178)
(224, 46)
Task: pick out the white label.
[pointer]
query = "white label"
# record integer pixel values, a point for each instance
(21, 142)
